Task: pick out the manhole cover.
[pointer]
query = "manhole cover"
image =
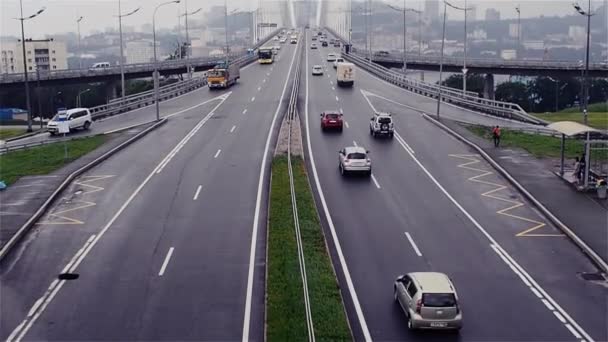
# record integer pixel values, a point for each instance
(68, 276)
(593, 276)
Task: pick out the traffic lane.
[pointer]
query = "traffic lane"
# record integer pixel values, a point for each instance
(542, 249)
(98, 282)
(475, 268)
(418, 226)
(99, 193)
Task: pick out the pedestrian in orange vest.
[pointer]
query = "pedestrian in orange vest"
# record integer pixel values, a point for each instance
(496, 136)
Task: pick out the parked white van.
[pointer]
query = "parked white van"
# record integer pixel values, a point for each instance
(100, 65)
(76, 117)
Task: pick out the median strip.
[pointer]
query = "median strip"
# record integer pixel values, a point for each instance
(285, 310)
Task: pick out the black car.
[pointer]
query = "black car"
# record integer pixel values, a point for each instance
(324, 43)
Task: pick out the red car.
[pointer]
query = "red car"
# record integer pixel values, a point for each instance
(331, 120)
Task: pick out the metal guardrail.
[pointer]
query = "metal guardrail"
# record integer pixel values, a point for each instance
(449, 95)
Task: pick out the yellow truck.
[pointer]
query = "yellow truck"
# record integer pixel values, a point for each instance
(223, 75)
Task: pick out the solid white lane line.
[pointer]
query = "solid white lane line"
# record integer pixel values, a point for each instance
(232, 129)
(414, 246)
(244, 110)
(346, 124)
(56, 285)
(349, 282)
(403, 143)
(193, 107)
(375, 181)
(217, 154)
(253, 99)
(198, 191)
(258, 204)
(166, 262)
(536, 293)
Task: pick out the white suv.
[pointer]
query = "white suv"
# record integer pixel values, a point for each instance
(381, 124)
(354, 159)
(331, 57)
(338, 60)
(77, 118)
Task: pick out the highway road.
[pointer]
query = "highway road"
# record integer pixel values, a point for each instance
(433, 204)
(167, 237)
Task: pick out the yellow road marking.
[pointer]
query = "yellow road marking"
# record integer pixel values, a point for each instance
(84, 181)
(514, 204)
(67, 220)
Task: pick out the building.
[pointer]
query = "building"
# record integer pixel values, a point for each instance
(43, 55)
(513, 30)
(141, 51)
(508, 54)
(472, 13)
(577, 33)
(431, 10)
(478, 34)
(492, 14)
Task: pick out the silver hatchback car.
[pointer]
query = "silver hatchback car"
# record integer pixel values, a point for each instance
(354, 159)
(429, 301)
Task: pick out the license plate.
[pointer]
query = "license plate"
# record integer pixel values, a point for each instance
(439, 324)
(332, 121)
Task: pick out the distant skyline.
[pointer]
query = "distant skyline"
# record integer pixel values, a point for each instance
(60, 15)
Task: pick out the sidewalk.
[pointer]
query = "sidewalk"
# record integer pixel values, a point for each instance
(21, 200)
(585, 215)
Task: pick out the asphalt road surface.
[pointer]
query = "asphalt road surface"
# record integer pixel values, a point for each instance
(434, 205)
(167, 237)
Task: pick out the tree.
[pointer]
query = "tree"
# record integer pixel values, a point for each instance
(475, 82)
(515, 92)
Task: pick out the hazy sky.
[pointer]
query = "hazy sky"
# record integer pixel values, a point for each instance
(60, 15)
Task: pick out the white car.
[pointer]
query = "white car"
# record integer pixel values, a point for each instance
(354, 159)
(317, 70)
(275, 38)
(338, 60)
(313, 46)
(277, 47)
(381, 124)
(283, 40)
(331, 57)
(76, 118)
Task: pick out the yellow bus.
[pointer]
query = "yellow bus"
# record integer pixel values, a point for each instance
(265, 55)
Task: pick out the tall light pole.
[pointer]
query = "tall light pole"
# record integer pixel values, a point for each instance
(79, 46)
(588, 14)
(185, 15)
(226, 27)
(156, 76)
(404, 10)
(25, 75)
(518, 9)
(464, 62)
(439, 88)
(78, 102)
(122, 53)
(371, 30)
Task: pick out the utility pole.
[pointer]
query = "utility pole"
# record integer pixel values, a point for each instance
(586, 84)
(445, 9)
(79, 46)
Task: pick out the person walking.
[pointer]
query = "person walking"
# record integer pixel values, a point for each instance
(496, 136)
(577, 170)
(581, 172)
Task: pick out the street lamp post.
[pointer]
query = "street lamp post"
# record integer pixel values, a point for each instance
(518, 9)
(185, 15)
(78, 101)
(404, 10)
(79, 46)
(156, 78)
(464, 62)
(439, 88)
(28, 105)
(122, 54)
(588, 14)
(226, 27)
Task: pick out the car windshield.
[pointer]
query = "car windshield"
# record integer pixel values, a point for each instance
(384, 120)
(356, 155)
(215, 73)
(438, 300)
(332, 116)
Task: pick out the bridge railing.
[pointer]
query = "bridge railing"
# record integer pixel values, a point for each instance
(449, 95)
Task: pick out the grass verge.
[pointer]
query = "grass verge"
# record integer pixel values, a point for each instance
(7, 133)
(44, 159)
(597, 120)
(538, 145)
(286, 318)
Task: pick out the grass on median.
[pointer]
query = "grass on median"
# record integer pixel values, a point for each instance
(538, 145)
(7, 133)
(597, 117)
(44, 159)
(286, 318)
